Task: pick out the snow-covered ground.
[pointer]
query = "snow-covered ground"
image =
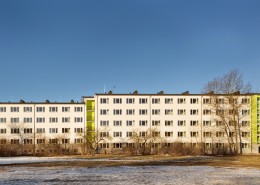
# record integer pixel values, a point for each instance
(126, 175)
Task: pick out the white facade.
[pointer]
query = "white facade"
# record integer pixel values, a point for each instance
(176, 118)
(42, 123)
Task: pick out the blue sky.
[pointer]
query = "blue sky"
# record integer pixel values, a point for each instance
(60, 50)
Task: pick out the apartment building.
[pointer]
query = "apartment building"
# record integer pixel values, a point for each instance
(36, 125)
(174, 118)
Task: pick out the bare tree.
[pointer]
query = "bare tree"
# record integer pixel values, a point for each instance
(229, 104)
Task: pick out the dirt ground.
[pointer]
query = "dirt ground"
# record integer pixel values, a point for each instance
(244, 161)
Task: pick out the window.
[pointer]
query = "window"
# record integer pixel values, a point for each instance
(168, 112)
(78, 130)
(15, 141)
(53, 130)
(220, 112)
(245, 145)
(40, 109)
(104, 101)
(104, 111)
(65, 109)
(245, 100)
(78, 109)
(168, 123)
(27, 141)
(27, 109)
(117, 100)
(220, 134)
(15, 131)
(2, 120)
(194, 101)
(156, 101)
(142, 123)
(130, 111)
(194, 134)
(231, 123)
(65, 130)
(117, 111)
(206, 112)
(104, 123)
(231, 134)
(53, 141)
(40, 120)
(181, 134)
(219, 123)
(194, 112)
(245, 134)
(142, 111)
(130, 100)
(117, 134)
(220, 101)
(118, 123)
(27, 130)
(2, 131)
(14, 120)
(181, 100)
(168, 101)
(3, 141)
(78, 119)
(156, 123)
(206, 134)
(65, 141)
(27, 120)
(65, 120)
(232, 101)
(53, 109)
(142, 100)
(156, 134)
(104, 145)
(53, 120)
(130, 123)
(206, 123)
(181, 123)
(2, 109)
(129, 134)
(181, 111)
(168, 134)
(245, 112)
(142, 134)
(104, 134)
(208, 145)
(219, 145)
(206, 100)
(14, 109)
(40, 130)
(117, 145)
(40, 141)
(156, 112)
(245, 123)
(78, 140)
(194, 123)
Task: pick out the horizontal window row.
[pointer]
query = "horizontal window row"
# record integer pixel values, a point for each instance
(170, 123)
(170, 112)
(41, 109)
(40, 141)
(134, 135)
(42, 120)
(179, 100)
(39, 130)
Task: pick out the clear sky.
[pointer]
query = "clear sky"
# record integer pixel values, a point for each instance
(64, 49)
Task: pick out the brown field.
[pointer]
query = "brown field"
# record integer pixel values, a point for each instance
(242, 161)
